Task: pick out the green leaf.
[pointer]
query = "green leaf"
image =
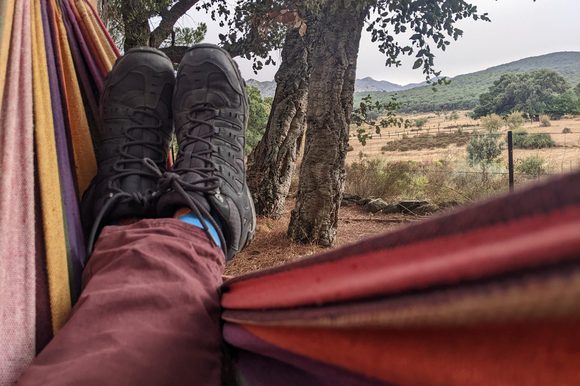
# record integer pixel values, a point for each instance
(418, 63)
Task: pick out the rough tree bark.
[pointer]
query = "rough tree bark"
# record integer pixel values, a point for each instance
(322, 174)
(273, 161)
(136, 24)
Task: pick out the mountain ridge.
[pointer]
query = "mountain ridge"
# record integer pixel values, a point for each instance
(464, 90)
(367, 84)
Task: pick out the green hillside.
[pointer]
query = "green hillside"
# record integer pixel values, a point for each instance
(464, 90)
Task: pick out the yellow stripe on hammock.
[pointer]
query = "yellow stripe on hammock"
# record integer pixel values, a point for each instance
(82, 144)
(105, 53)
(50, 192)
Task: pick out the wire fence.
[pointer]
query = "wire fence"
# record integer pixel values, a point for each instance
(561, 155)
(474, 129)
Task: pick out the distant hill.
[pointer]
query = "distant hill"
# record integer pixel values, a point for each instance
(369, 84)
(464, 90)
(366, 85)
(267, 88)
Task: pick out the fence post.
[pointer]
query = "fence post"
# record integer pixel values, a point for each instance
(511, 159)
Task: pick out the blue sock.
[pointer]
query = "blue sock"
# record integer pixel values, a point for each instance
(196, 222)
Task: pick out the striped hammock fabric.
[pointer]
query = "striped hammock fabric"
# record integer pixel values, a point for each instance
(54, 56)
(486, 295)
(489, 295)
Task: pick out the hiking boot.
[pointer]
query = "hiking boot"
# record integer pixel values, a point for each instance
(134, 124)
(210, 110)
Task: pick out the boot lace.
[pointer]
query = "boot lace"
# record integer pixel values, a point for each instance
(123, 169)
(206, 183)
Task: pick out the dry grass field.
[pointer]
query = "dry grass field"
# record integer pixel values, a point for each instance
(561, 159)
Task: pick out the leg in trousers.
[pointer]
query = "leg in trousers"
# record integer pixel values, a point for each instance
(148, 314)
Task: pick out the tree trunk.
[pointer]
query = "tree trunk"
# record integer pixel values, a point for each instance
(322, 174)
(273, 161)
(136, 24)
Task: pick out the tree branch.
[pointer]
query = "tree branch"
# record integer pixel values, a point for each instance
(168, 19)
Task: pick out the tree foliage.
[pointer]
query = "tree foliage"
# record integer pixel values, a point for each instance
(534, 92)
(431, 25)
(376, 116)
(256, 27)
(259, 113)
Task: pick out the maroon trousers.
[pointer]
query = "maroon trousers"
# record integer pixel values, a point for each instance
(149, 312)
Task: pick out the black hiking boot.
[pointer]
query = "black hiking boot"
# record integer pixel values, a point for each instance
(210, 110)
(134, 125)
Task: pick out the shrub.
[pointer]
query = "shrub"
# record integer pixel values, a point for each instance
(523, 140)
(453, 116)
(567, 130)
(435, 181)
(483, 150)
(545, 121)
(532, 166)
(420, 123)
(492, 122)
(515, 120)
(539, 141)
(519, 137)
(375, 178)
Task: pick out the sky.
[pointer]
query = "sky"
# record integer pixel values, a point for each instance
(518, 29)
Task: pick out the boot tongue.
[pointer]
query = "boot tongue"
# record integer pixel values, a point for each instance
(147, 131)
(198, 152)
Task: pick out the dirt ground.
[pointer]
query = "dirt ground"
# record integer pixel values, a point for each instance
(272, 248)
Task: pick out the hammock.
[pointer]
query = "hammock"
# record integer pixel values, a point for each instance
(54, 58)
(489, 292)
(487, 295)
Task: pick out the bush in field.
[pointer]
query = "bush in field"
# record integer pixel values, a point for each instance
(484, 150)
(454, 116)
(545, 121)
(567, 130)
(375, 178)
(523, 140)
(539, 141)
(435, 181)
(515, 120)
(492, 122)
(532, 166)
(420, 123)
(519, 138)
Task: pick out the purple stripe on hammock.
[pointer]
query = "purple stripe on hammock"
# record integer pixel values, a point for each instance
(74, 233)
(84, 48)
(263, 364)
(88, 88)
(43, 315)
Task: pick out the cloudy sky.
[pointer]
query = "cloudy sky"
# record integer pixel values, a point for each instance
(519, 29)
